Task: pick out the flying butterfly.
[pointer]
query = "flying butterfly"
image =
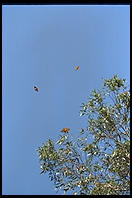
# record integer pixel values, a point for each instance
(36, 88)
(65, 130)
(76, 68)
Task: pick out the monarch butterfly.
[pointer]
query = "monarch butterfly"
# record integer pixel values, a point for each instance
(76, 68)
(65, 130)
(36, 88)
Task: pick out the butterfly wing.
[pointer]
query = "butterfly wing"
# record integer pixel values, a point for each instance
(36, 88)
(65, 130)
(76, 68)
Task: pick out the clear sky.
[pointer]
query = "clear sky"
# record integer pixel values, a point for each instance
(41, 45)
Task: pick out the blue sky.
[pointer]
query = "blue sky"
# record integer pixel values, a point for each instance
(41, 45)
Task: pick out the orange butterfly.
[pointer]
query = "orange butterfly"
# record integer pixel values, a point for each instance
(65, 130)
(76, 68)
(36, 88)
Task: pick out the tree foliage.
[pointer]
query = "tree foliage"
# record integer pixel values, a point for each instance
(97, 162)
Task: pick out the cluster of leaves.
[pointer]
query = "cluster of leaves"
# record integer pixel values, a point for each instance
(98, 161)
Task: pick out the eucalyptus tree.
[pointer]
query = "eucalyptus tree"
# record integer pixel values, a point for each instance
(97, 162)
